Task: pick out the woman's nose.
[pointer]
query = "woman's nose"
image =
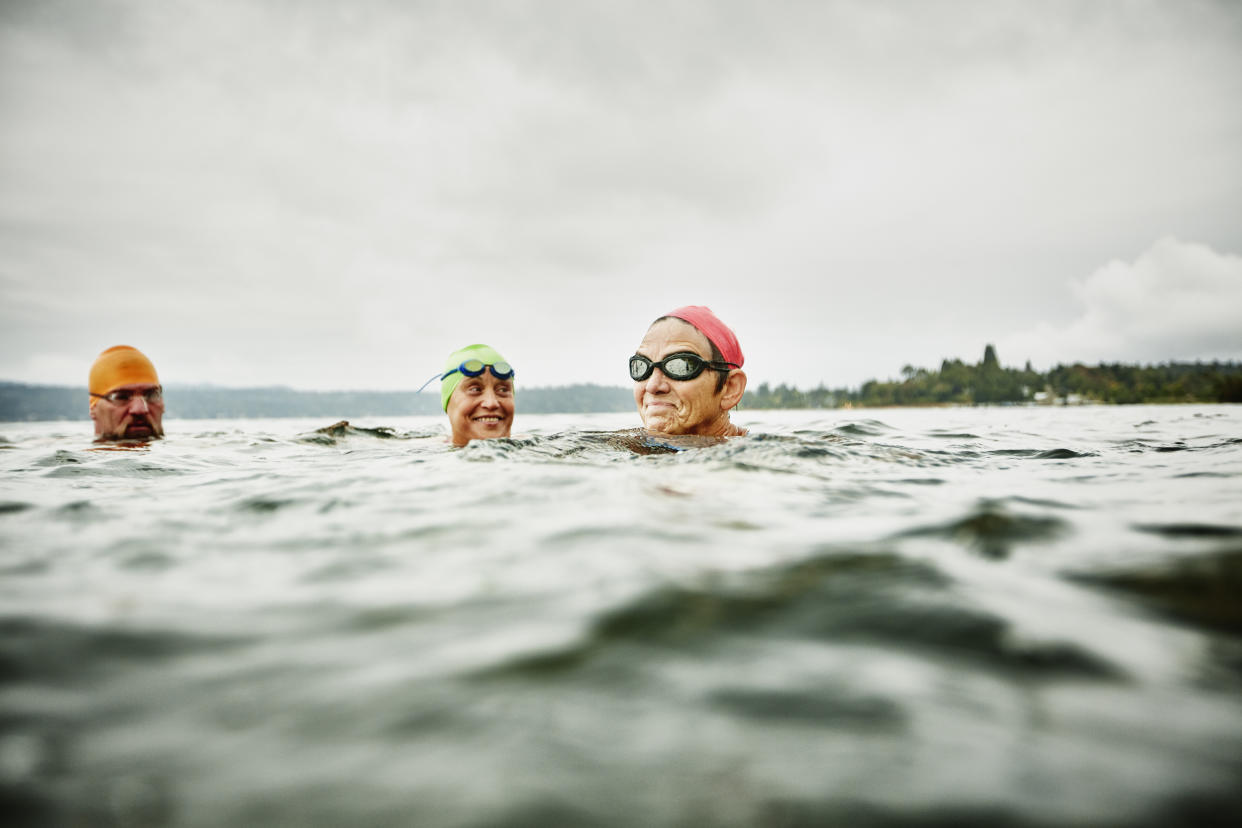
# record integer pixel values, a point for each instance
(657, 381)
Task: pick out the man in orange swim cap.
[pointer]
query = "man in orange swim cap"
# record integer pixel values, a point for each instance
(127, 402)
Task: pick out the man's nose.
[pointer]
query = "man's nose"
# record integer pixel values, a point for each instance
(138, 404)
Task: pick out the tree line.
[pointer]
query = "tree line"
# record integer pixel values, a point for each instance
(954, 383)
(987, 382)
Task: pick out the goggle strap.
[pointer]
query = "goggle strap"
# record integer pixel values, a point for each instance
(433, 379)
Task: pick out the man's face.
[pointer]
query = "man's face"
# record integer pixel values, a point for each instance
(130, 419)
(481, 407)
(677, 406)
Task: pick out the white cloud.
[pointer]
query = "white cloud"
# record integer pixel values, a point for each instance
(1177, 301)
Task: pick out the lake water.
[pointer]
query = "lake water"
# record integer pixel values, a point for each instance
(993, 616)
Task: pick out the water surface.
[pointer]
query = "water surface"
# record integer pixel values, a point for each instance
(994, 616)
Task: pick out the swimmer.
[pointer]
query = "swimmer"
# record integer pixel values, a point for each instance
(476, 391)
(127, 402)
(687, 374)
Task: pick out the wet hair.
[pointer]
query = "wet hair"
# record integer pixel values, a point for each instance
(721, 376)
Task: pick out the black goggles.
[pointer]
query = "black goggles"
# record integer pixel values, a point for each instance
(675, 366)
(124, 395)
(475, 367)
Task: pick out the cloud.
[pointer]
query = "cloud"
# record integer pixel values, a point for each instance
(1177, 301)
(329, 195)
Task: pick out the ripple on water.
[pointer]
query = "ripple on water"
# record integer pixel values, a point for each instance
(30, 566)
(863, 813)
(79, 512)
(263, 504)
(863, 428)
(342, 431)
(36, 649)
(76, 471)
(823, 706)
(1190, 530)
(1062, 454)
(992, 530)
(1042, 454)
(73, 467)
(360, 566)
(147, 557)
(1201, 590)
(845, 598)
(1042, 502)
(58, 458)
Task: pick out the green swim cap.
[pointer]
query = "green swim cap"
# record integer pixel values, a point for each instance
(489, 356)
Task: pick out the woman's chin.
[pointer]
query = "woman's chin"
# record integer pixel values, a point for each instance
(489, 431)
(662, 424)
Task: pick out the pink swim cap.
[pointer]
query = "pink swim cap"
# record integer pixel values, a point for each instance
(717, 332)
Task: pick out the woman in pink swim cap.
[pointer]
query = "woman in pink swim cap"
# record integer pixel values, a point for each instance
(688, 374)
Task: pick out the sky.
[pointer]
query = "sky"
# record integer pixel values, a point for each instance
(334, 196)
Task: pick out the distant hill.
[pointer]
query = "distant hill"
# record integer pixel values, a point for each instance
(21, 402)
(954, 383)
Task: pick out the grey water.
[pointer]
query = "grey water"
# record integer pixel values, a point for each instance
(987, 616)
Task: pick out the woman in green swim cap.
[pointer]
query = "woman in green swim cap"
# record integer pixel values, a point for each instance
(476, 391)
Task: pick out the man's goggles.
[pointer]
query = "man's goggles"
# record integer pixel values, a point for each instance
(475, 367)
(675, 366)
(124, 395)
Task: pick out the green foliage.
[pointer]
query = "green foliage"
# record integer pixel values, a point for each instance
(1172, 382)
(989, 383)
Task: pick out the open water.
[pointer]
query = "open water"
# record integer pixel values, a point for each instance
(993, 616)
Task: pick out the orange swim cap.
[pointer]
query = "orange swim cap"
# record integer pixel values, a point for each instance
(117, 366)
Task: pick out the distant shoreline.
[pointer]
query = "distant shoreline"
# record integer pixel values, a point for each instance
(955, 384)
(1201, 384)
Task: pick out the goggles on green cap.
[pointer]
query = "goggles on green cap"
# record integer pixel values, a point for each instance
(470, 361)
(475, 367)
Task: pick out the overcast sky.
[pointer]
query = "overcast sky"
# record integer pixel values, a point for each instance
(334, 195)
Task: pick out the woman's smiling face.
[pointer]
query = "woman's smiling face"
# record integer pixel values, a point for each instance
(481, 408)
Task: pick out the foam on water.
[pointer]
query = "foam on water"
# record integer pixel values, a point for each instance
(992, 616)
